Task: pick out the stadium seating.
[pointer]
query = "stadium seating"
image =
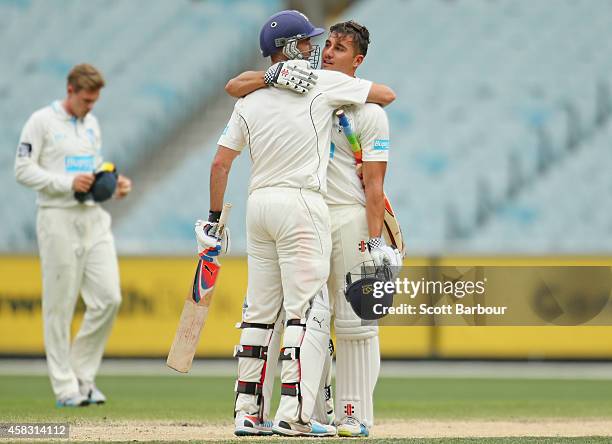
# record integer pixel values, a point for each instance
(566, 211)
(501, 104)
(492, 98)
(162, 59)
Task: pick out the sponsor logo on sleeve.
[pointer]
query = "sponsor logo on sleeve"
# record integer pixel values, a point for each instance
(381, 145)
(24, 149)
(79, 164)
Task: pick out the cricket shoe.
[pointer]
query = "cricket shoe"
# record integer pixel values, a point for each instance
(75, 400)
(313, 428)
(250, 425)
(92, 393)
(350, 427)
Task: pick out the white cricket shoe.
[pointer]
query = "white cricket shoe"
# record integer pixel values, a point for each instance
(75, 400)
(350, 427)
(92, 393)
(250, 425)
(313, 428)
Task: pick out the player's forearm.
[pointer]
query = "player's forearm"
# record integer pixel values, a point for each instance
(381, 94)
(218, 182)
(219, 172)
(245, 83)
(375, 210)
(373, 181)
(31, 175)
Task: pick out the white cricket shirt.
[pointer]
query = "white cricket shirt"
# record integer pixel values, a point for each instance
(370, 125)
(289, 134)
(53, 148)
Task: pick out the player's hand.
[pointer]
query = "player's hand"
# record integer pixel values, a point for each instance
(359, 172)
(384, 255)
(124, 186)
(83, 182)
(295, 75)
(209, 244)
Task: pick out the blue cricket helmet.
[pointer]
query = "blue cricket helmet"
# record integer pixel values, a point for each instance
(285, 28)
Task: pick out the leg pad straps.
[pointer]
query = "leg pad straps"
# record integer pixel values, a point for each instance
(249, 388)
(290, 389)
(251, 351)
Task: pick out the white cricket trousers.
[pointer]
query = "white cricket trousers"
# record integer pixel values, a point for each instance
(78, 256)
(288, 246)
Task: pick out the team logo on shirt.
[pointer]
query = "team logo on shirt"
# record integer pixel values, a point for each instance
(381, 145)
(24, 149)
(79, 164)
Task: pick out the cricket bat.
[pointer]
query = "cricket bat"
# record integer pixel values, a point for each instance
(195, 310)
(392, 232)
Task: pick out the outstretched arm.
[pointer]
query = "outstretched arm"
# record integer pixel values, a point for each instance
(295, 75)
(245, 83)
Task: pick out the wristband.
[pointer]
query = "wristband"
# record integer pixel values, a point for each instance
(270, 77)
(375, 242)
(214, 216)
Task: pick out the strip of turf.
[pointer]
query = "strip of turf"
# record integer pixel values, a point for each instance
(197, 399)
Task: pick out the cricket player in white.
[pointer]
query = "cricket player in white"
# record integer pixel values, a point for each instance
(288, 227)
(357, 212)
(356, 225)
(58, 152)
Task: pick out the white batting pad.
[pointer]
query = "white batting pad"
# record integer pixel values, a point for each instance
(357, 369)
(272, 365)
(250, 369)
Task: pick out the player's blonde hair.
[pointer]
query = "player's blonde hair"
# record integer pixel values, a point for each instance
(85, 76)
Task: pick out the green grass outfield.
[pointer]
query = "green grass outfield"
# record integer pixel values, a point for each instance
(203, 399)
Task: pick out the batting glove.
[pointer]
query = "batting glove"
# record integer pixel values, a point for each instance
(294, 75)
(384, 255)
(209, 243)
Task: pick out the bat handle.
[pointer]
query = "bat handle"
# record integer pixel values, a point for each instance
(223, 218)
(342, 118)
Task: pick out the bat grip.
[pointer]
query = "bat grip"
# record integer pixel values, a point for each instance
(223, 219)
(342, 119)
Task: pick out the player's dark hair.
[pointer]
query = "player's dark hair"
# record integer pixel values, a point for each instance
(360, 34)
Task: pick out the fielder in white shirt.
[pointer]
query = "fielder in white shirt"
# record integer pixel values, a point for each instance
(356, 206)
(58, 153)
(288, 227)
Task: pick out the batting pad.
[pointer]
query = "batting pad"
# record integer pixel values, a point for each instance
(357, 369)
(289, 407)
(251, 369)
(314, 353)
(324, 404)
(272, 365)
(305, 347)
